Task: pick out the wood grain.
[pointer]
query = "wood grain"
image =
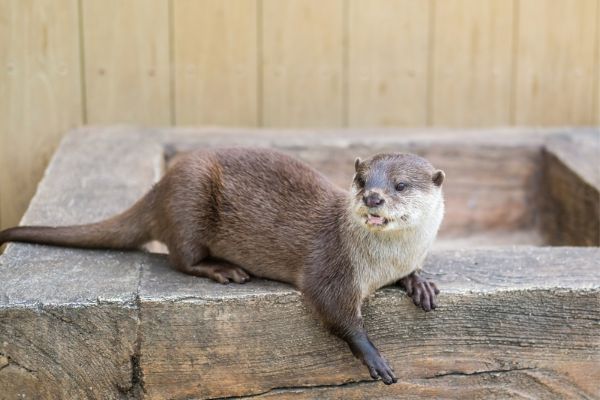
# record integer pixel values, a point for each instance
(508, 383)
(302, 63)
(472, 63)
(598, 65)
(484, 384)
(286, 63)
(388, 44)
(40, 93)
(513, 322)
(556, 62)
(499, 332)
(67, 352)
(572, 178)
(479, 196)
(215, 61)
(126, 59)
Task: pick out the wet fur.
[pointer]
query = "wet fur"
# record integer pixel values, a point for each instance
(277, 218)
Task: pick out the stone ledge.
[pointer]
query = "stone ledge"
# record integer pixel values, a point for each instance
(96, 324)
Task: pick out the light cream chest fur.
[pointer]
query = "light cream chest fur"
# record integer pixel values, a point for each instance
(384, 258)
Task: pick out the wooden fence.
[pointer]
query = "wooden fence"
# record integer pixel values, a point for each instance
(285, 63)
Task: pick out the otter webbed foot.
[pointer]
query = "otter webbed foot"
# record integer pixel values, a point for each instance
(379, 368)
(364, 350)
(221, 272)
(422, 291)
(226, 274)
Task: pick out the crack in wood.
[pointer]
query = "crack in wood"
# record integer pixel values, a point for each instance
(10, 361)
(5, 362)
(486, 372)
(285, 389)
(136, 388)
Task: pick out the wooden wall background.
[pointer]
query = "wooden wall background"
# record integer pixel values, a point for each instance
(285, 63)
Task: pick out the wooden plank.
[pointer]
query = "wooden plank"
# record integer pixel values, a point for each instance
(571, 214)
(598, 63)
(126, 49)
(387, 62)
(302, 63)
(40, 95)
(472, 62)
(215, 56)
(67, 351)
(555, 65)
(512, 382)
(499, 332)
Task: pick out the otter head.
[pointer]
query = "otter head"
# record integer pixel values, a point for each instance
(395, 191)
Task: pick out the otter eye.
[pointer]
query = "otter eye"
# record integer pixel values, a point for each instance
(401, 186)
(360, 181)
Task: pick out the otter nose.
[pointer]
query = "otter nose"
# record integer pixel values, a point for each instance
(373, 200)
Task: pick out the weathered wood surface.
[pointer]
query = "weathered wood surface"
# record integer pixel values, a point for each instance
(572, 169)
(478, 195)
(68, 319)
(491, 184)
(513, 322)
(67, 352)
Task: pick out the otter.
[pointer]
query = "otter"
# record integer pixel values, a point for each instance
(269, 215)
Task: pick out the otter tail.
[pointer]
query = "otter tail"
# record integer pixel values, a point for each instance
(128, 230)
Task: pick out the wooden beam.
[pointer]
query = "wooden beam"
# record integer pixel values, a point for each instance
(511, 323)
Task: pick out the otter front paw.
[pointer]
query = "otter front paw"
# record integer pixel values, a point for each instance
(421, 290)
(365, 351)
(379, 368)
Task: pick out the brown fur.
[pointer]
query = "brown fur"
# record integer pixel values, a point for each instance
(266, 213)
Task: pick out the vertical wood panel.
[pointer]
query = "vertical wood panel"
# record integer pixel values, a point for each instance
(215, 53)
(472, 62)
(387, 62)
(126, 48)
(555, 73)
(302, 57)
(40, 93)
(598, 63)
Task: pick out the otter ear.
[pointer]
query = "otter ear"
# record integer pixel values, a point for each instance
(357, 163)
(438, 177)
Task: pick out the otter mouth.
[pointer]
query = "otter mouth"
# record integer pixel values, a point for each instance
(376, 220)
